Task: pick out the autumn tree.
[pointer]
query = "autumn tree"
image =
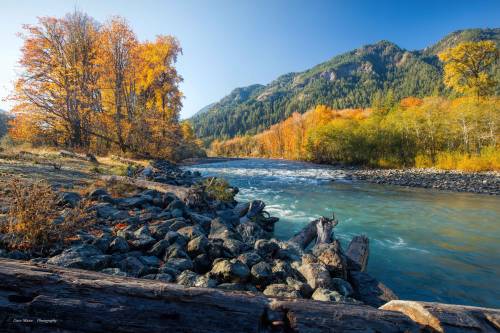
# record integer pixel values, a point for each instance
(467, 67)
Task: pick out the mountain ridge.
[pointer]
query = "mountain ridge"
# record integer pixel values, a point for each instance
(349, 79)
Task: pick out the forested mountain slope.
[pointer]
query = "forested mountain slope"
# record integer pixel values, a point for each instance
(348, 80)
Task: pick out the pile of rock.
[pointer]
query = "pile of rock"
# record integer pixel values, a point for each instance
(162, 171)
(480, 182)
(155, 235)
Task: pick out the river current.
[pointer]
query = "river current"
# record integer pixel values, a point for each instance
(424, 244)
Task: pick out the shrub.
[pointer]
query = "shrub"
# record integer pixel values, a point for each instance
(218, 189)
(34, 219)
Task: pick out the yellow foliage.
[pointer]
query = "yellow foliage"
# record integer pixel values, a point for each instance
(467, 65)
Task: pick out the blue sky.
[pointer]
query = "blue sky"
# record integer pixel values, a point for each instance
(228, 44)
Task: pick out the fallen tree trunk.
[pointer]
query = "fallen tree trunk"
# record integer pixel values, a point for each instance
(87, 157)
(183, 193)
(358, 252)
(447, 317)
(310, 232)
(45, 298)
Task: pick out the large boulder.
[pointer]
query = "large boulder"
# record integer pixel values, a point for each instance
(332, 257)
(316, 275)
(191, 232)
(281, 290)
(327, 295)
(81, 256)
(261, 272)
(250, 232)
(118, 244)
(266, 248)
(342, 286)
(158, 249)
(249, 258)
(230, 271)
(219, 230)
(197, 245)
(69, 199)
(134, 267)
(303, 288)
(234, 246)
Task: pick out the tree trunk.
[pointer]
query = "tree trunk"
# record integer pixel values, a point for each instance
(320, 229)
(448, 318)
(358, 252)
(44, 298)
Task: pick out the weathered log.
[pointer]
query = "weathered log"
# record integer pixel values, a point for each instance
(182, 193)
(369, 290)
(87, 157)
(324, 230)
(310, 232)
(44, 298)
(447, 317)
(313, 316)
(358, 252)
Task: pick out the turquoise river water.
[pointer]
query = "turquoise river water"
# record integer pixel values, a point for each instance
(424, 244)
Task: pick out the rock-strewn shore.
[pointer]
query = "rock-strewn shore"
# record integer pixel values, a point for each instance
(205, 241)
(482, 182)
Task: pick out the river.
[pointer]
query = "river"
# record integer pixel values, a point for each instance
(424, 244)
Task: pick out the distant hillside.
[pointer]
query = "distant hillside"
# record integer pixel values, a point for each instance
(347, 80)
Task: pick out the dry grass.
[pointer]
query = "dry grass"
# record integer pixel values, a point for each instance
(35, 221)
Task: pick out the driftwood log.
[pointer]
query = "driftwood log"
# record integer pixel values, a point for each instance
(86, 157)
(358, 252)
(447, 317)
(44, 298)
(183, 193)
(320, 229)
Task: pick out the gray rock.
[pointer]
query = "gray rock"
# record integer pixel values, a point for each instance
(177, 213)
(187, 278)
(281, 290)
(134, 267)
(215, 249)
(151, 261)
(69, 199)
(102, 242)
(234, 246)
(266, 248)
(175, 251)
(81, 256)
(230, 271)
(201, 220)
(327, 295)
(197, 245)
(249, 258)
(303, 288)
(158, 249)
(191, 232)
(176, 204)
(178, 223)
(332, 257)
(202, 263)
(97, 193)
(149, 277)
(160, 229)
(241, 209)
(205, 282)
(316, 275)
(250, 232)
(281, 270)
(118, 244)
(108, 212)
(261, 272)
(343, 287)
(173, 237)
(179, 264)
(219, 230)
(133, 202)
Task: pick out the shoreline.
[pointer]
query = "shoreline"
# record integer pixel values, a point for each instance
(445, 180)
(485, 182)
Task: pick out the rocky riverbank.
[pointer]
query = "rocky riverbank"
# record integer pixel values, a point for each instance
(457, 181)
(175, 226)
